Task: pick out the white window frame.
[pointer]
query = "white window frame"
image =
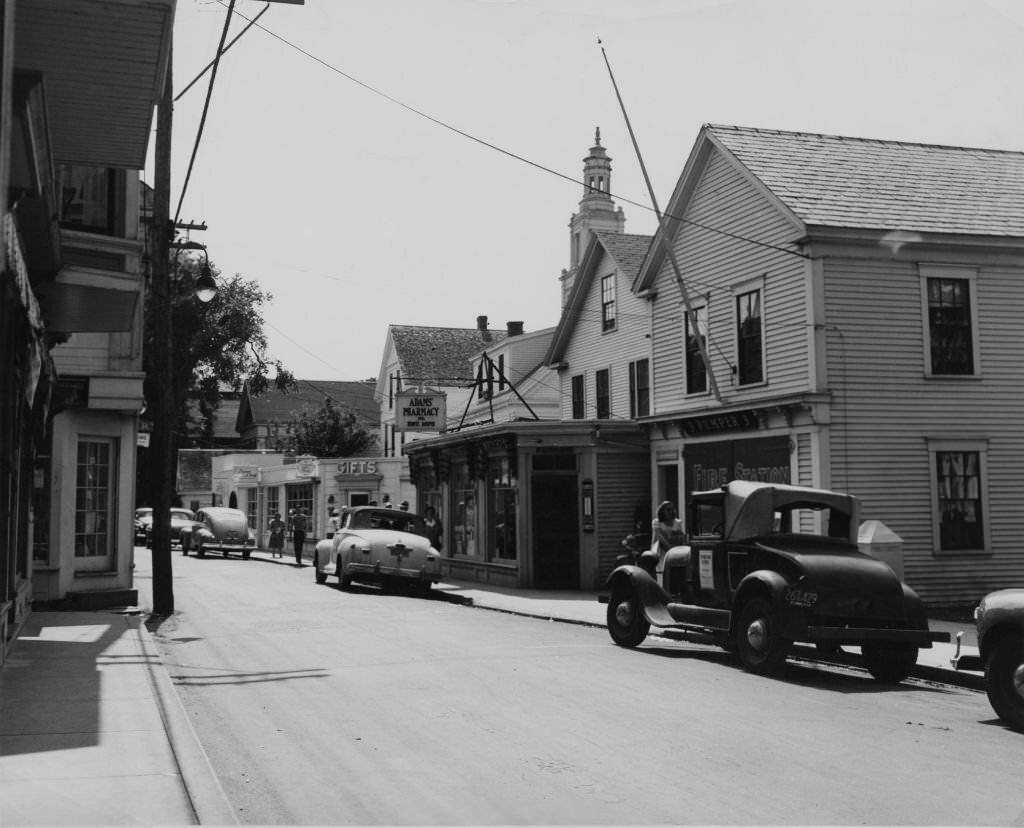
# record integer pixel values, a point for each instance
(980, 447)
(969, 275)
(698, 307)
(749, 286)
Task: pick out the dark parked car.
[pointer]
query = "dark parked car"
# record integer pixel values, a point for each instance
(999, 619)
(768, 565)
(143, 521)
(180, 519)
(220, 529)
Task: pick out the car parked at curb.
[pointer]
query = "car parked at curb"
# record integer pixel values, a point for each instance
(180, 519)
(999, 620)
(218, 529)
(380, 546)
(142, 522)
(765, 566)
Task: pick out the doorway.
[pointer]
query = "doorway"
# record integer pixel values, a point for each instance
(556, 531)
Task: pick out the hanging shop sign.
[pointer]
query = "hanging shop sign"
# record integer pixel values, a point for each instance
(420, 411)
(305, 466)
(717, 423)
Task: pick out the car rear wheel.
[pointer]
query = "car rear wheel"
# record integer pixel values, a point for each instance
(246, 554)
(761, 647)
(889, 662)
(1004, 681)
(627, 624)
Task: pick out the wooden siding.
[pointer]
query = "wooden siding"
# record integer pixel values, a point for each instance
(885, 410)
(623, 486)
(712, 264)
(593, 349)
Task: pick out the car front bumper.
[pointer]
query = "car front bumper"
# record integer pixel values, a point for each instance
(377, 570)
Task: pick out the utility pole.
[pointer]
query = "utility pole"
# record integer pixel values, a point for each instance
(162, 445)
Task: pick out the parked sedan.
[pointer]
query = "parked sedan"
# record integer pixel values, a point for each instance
(379, 546)
(218, 528)
(1000, 623)
(143, 520)
(180, 519)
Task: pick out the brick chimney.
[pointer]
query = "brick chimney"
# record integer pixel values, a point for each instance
(514, 328)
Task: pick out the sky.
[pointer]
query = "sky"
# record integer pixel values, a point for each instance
(417, 162)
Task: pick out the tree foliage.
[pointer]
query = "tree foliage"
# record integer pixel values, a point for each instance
(332, 430)
(215, 346)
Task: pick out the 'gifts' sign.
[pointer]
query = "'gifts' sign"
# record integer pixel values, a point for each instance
(420, 411)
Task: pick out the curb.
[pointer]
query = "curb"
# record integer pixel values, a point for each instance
(206, 797)
(922, 672)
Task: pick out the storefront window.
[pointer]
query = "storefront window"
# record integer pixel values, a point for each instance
(250, 509)
(273, 501)
(300, 497)
(501, 514)
(463, 512)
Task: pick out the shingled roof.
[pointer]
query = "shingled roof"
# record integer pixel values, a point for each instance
(829, 180)
(280, 406)
(627, 249)
(437, 354)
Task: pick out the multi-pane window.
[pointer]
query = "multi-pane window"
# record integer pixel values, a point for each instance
(273, 501)
(608, 303)
(602, 394)
(463, 511)
(94, 484)
(959, 500)
(251, 508)
(578, 400)
(300, 497)
(501, 516)
(749, 338)
(950, 332)
(696, 338)
(639, 388)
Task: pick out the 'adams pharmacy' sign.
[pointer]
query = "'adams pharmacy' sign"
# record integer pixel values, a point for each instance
(420, 411)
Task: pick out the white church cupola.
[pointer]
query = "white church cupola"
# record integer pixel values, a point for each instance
(597, 211)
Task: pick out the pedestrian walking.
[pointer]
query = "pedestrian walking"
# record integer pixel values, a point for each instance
(276, 536)
(299, 525)
(434, 529)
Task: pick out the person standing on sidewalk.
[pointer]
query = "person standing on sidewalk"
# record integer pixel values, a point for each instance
(299, 525)
(277, 536)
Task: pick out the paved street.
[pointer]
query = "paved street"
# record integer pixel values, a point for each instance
(319, 706)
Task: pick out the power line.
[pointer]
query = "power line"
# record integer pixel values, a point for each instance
(502, 150)
(206, 108)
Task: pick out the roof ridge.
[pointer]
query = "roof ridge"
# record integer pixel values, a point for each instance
(857, 139)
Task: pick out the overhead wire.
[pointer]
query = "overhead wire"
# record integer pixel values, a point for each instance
(206, 109)
(445, 125)
(529, 162)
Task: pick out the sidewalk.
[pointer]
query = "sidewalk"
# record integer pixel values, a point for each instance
(92, 730)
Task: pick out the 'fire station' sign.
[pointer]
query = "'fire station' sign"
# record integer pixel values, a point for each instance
(420, 411)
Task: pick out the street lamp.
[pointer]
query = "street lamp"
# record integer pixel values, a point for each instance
(205, 286)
